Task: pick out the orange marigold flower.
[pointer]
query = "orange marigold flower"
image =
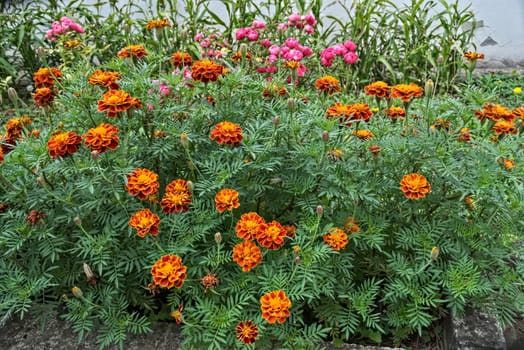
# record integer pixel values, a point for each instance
(15, 126)
(351, 225)
(441, 123)
(508, 163)
(142, 183)
(415, 186)
(101, 138)
(35, 217)
(137, 51)
(504, 127)
(1, 155)
(206, 71)
(169, 272)
(465, 134)
(247, 332)
(336, 238)
(72, 43)
(272, 236)
(182, 59)
(396, 112)
(177, 314)
(349, 113)
(228, 133)
(238, 56)
(63, 143)
(473, 56)
(363, 134)
(273, 89)
(375, 150)
(495, 112)
(249, 226)
(290, 230)
(328, 84)
(518, 113)
(105, 79)
(293, 65)
(338, 110)
(115, 101)
(209, 281)
(247, 255)
(158, 23)
(46, 77)
(43, 96)
(406, 91)
(145, 221)
(226, 199)
(378, 89)
(335, 154)
(177, 197)
(275, 306)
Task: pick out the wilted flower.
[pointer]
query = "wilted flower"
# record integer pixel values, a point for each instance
(209, 281)
(34, 217)
(465, 134)
(43, 96)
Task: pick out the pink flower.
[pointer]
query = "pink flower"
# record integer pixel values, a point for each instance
(309, 29)
(282, 26)
(199, 37)
(310, 19)
(265, 43)
(326, 62)
(205, 43)
(295, 17)
(259, 24)
(301, 70)
(150, 106)
(339, 49)
(274, 50)
(271, 69)
(294, 55)
(350, 57)
(306, 50)
(241, 33)
(252, 35)
(328, 54)
(164, 89)
(292, 43)
(272, 58)
(351, 46)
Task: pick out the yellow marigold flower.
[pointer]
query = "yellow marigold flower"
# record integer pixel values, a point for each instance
(415, 186)
(115, 101)
(181, 59)
(137, 51)
(227, 132)
(46, 77)
(275, 306)
(177, 197)
(363, 134)
(64, 143)
(72, 43)
(247, 255)
(169, 272)
(101, 138)
(43, 96)
(145, 221)
(247, 332)
(226, 199)
(249, 226)
(517, 90)
(158, 23)
(473, 56)
(328, 84)
(272, 236)
(378, 89)
(406, 91)
(504, 127)
(396, 112)
(177, 314)
(207, 71)
(142, 183)
(336, 238)
(293, 65)
(105, 79)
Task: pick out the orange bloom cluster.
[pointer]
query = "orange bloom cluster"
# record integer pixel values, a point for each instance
(351, 225)
(177, 197)
(226, 199)
(63, 143)
(43, 96)
(272, 236)
(415, 186)
(378, 89)
(115, 101)
(273, 89)
(158, 23)
(169, 272)
(14, 128)
(347, 114)
(145, 221)
(328, 84)
(336, 238)
(182, 59)
(465, 134)
(247, 332)
(293, 65)
(363, 134)
(137, 51)
(473, 56)
(495, 112)
(396, 112)
(142, 183)
(206, 71)
(46, 77)
(249, 226)
(105, 79)
(505, 127)
(228, 133)
(102, 138)
(275, 306)
(247, 255)
(406, 91)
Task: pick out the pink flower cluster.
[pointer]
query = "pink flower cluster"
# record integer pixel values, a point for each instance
(292, 50)
(307, 22)
(65, 25)
(250, 33)
(210, 44)
(346, 50)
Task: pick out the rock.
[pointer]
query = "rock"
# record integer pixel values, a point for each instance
(515, 336)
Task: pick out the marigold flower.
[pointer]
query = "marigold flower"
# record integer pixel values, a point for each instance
(247, 332)
(291, 64)
(273, 89)
(177, 197)
(145, 221)
(473, 56)
(406, 91)
(396, 112)
(349, 113)
(518, 113)
(441, 123)
(115, 101)
(238, 56)
(169, 272)
(142, 183)
(177, 314)
(335, 154)
(63, 143)
(272, 236)
(72, 43)
(504, 127)
(1, 155)
(182, 59)
(206, 71)
(508, 163)
(351, 225)
(34, 217)
(249, 226)
(43, 96)
(247, 255)
(378, 89)
(101, 138)
(363, 134)
(46, 77)
(375, 150)
(495, 112)
(15, 126)
(328, 84)
(415, 186)
(275, 306)
(227, 132)
(336, 238)
(209, 281)
(290, 230)
(105, 79)
(465, 134)
(226, 199)
(137, 51)
(158, 23)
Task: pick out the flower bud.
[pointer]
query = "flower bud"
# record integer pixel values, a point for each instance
(94, 155)
(440, 59)
(434, 253)
(77, 292)
(183, 140)
(218, 237)
(13, 95)
(77, 221)
(35, 133)
(320, 210)
(290, 104)
(298, 260)
(429, 87)
(325, 136)
(243, 49)
(91, 279)
(40, 51)
(190, 186)
(276, 120)
(183, 34)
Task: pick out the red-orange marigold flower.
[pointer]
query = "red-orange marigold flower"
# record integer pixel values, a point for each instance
(247, 255)
(105, 79)
(249, 226)
(247, 332)
(145, 221)
(508, 163)
(182, 59)
(227, 132)
(396, 112)
(336, 238)
(328, 84)
(137, 51)
(63, 143)
(177, 314)
(46, 77)
(272, 236)
(43, 96)
(504, 127)
(378, 89)
(169, 272)
(142, 183)
(101, 138)
(406, 91)
(115, 101)
(518, 113)
(415, 186)
(290, 230)
(176, 198)
(226, 199)
(473, 56)
(238, 56)
(495, 112)
(275, 306)
(351, 225)
(465, 134)
(206, 71)
(158, 23)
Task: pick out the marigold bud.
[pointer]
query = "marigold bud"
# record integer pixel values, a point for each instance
(325, 136)
(35, 133)
(40, 51)
(183, 140)
(434, 253)
(320, 210)
(290, 104)
(13, 95)
(298, 260)
(190, 186)
(77, 292)
(276, 120)
(243, 49)
(77, 221)
(94, 155)
(218, 237)
(429, 87)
